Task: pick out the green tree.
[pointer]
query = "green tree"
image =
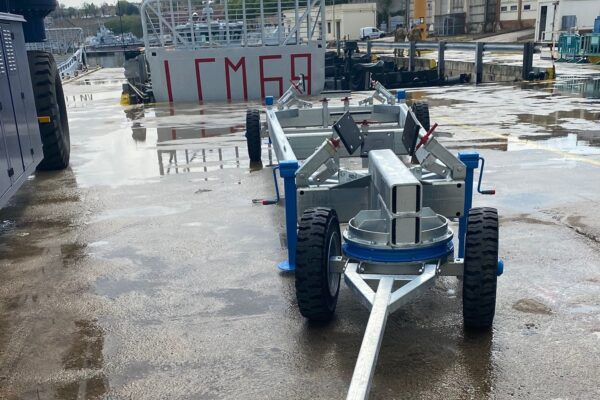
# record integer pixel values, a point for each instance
(383, 11)
(126, 8)
(105, 9)
(86, 9)
(93, 10)
(131, 23)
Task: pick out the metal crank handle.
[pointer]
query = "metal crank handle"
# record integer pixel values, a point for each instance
(487, 191)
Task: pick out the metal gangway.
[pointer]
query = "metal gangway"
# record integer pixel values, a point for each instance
(195, 23)
(67, 47)
(73, 64)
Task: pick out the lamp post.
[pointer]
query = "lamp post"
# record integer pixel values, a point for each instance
(335, 32)
(121, 23)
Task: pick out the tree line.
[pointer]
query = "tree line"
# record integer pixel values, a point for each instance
(91, 10)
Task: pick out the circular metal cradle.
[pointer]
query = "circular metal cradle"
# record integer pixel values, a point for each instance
(368, 238)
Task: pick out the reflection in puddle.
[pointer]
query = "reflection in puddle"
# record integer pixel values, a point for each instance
(183, 149)
(585, 87)
(573, 130)
(562, 116)
(500, 144)
(193, 138)
(96, 82)
(173, 160)
(79, 101)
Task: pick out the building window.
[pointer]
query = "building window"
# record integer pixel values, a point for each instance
(527, 7)
(503, 8)
(513, 8)
(329, 27)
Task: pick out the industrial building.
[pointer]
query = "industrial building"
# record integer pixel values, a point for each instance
(456, 17)
(565, 16)
(515, 14)
(450, 17)
(343, 21)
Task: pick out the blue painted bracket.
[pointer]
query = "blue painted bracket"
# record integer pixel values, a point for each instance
(287, 170)
(471, 161)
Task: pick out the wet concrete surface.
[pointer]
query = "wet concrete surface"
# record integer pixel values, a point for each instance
(144, 271)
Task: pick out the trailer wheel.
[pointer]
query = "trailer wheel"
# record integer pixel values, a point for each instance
(253, 135)
(50, 102)
(421, 111)
(480, 269)
(317, 285)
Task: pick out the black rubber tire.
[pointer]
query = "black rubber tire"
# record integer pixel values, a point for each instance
(253, 135)
(50, 101)
(421, 111)
(318, 227)
(480, 269)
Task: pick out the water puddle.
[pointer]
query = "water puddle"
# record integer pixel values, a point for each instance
(532, 306)
(243, 302)
(112, 288)
(138, 144)
(588, 87)
(563, 117)
(85, 359)
(193, 138)
(139, 212)
(575, 131)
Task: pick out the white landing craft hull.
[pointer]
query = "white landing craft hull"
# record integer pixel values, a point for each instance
(233, 73)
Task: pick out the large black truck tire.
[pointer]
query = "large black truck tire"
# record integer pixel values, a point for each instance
(50, 102)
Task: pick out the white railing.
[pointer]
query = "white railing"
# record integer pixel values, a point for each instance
(232, 23)
(72, 64)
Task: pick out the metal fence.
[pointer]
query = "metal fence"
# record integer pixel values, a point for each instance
(526, 49)
(235, 23)
(59, 41)
(575, 47)
(590, 44)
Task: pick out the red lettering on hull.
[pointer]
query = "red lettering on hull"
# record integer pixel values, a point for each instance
(264, 79)
(168, 79)
(198, 80)
(229, 65)
(295, 77)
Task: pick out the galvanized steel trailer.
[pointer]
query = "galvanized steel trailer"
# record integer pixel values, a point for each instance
(377, 166)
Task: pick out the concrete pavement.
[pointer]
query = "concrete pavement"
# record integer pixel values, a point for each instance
(144, 271)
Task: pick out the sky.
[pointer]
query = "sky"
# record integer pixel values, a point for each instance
(79, 3)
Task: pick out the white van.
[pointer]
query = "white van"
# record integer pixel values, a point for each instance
(370, 33)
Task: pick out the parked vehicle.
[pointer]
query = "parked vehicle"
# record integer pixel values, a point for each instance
(34, 129)
(370, 32)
